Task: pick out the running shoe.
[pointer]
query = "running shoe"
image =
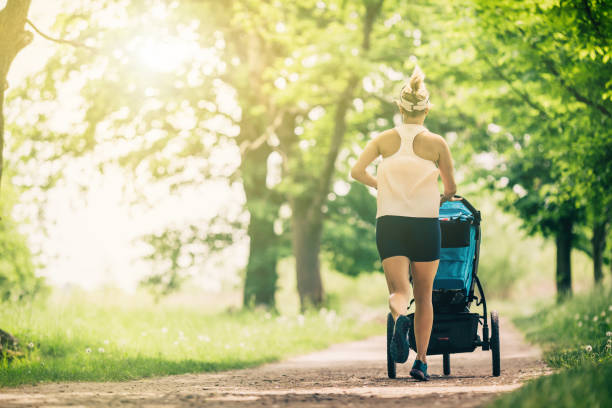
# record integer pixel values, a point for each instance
(399, 342)
(419, 371)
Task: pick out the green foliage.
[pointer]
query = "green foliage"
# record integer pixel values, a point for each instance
(18, 282)
(586, 386)
(347, 295)
(349, 237)
(175, 252)
(85, 337)
(504, 262)
(575, 332)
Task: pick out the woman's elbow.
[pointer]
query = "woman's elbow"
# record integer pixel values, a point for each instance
(355, 174)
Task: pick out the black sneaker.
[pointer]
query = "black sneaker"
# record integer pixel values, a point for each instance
(419, 371)
(399, 343)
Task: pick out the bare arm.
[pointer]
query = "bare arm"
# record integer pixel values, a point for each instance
(445, 164)
(358, 172)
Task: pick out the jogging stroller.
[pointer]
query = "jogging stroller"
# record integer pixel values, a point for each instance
(455, 329)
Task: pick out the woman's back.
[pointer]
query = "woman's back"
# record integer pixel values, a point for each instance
(407, 182)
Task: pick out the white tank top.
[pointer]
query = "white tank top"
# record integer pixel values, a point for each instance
(407, 183)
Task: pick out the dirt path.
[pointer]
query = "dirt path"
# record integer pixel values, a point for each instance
(350, 374)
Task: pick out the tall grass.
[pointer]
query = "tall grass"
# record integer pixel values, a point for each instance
(102, 338)
(575, 332)
(583, 386)
(576, 337)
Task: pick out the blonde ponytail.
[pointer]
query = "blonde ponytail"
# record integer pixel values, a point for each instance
(414, 96)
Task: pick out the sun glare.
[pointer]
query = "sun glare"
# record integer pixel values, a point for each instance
(166, 55)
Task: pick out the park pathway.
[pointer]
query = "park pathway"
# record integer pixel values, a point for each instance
(349, 374)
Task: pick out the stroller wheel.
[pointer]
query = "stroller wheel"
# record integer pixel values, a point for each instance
(495, 343)
(390, 361)
(446, 363)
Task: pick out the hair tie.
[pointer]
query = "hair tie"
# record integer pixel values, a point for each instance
(410, 107)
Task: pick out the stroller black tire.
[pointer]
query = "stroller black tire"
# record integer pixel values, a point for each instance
(391, 372)
(495, 343)
(446, 363)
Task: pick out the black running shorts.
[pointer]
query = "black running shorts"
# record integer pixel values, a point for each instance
(415, 237)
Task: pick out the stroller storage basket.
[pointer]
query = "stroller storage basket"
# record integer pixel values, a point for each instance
(451, 333)
(455, 233)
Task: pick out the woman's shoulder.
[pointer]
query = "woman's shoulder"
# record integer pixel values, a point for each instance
(431, 139)
(386, 137)
(427, 138)
(428, 145)
(387, 133)
(431, 135)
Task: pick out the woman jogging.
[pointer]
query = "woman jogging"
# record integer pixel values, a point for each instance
(407, 225)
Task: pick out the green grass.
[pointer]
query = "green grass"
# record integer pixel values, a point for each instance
(587, 385)
(117, 337)
(577, 338)
(575, 332)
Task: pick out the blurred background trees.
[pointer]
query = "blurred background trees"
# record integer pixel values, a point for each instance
(275, 99)
(553, 61)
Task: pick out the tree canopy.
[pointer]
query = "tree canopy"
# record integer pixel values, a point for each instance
(278, 97)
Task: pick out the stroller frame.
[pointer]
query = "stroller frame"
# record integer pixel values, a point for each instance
(455, 329)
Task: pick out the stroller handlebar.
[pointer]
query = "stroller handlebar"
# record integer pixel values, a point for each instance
(470, 207)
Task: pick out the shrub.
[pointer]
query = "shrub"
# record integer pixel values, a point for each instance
(18, 281)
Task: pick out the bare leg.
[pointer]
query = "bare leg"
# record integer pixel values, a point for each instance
(423, 274)
(396, 272)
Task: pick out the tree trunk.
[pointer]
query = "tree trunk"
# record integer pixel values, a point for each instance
(307, 220)
(261, 276)
(564, 239)
(598, 242)
(2, 88)
(306, 248)
(13, 37)
(258, 120)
